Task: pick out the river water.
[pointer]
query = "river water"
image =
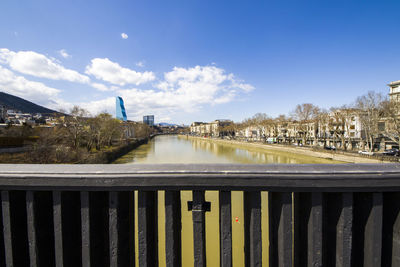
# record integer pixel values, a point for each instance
(181, 149)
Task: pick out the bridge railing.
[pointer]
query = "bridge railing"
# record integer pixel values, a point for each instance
(83, 215)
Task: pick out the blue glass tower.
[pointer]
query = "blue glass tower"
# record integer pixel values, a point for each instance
(120, 112)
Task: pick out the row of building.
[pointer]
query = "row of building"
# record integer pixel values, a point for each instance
(273, 131)
(342, 128)
(15, 117)
(217, 128)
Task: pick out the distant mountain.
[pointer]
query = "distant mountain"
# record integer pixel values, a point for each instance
(166, 124)
(17, 103)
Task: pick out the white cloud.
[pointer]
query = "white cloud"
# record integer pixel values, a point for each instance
(64, 53)
(30, 90)
(38, 65)
(100, 87)
(182, 90)
(140, 64)
(106, 70)
(103, 88)
(202, 85)
(59, 104)
(124, 36)
(98, 106)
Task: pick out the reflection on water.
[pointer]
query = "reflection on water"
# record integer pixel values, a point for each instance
(174, 149)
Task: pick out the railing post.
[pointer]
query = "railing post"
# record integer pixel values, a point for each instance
(121, 228)
(373, 233)
(345, 232)
(225, 224)
(147, 224)
(2, 248)
(30, 212)
(5, 201)
(126, 229)
(315, 234)
(113, 228)
(85, 228)
(199, 234)
(57, 220)
(252, 228)
(173, 229)
(280, 229)
(391, 229)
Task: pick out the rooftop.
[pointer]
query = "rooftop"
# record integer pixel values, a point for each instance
(394, 83)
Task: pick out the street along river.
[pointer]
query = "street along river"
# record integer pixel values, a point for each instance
(180, 149)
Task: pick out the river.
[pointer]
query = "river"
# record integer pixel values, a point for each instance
(180, 149)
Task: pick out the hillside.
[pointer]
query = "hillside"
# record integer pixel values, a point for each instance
(17, 103)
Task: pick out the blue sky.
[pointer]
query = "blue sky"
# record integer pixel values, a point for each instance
(187, 61)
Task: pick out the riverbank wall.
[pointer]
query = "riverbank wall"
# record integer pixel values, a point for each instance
(309, 151)
(106, 157)
(111, 156)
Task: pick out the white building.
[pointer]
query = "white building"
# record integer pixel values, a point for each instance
(394, 93)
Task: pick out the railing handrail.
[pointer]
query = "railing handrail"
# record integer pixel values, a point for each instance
(275, 177)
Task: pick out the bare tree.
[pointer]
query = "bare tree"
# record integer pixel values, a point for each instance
(260, 122)
(257, 122)
(305, 114)
(347, 114)
(281, 125)
(228, 129)
(337, 125)
(391, 111)
(142, 130)
(370, 108)
(102, 129)
(322, 121)
(75, 126)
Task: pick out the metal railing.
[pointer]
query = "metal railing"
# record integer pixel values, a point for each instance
(83, 215)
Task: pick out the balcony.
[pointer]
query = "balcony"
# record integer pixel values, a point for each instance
(83, 215)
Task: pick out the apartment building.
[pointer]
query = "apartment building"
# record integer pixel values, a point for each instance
(213, 129)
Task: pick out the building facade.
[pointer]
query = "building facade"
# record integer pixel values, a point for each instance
(120, 109)
(216, 128)
(149, 120)
(394, 93)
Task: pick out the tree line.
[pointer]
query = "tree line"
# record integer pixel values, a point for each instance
(76, 137)
(378, 116)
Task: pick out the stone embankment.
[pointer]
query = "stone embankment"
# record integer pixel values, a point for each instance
(105, 157)
(110, 156)
(309, 151)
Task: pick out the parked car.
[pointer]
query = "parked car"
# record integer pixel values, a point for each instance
(330, 148)
(364, 152)
(391, 152)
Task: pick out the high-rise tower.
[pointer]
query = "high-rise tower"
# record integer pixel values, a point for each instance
(120, 109)
(149, 120)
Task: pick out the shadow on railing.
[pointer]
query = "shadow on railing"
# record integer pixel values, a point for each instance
(84, 215)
